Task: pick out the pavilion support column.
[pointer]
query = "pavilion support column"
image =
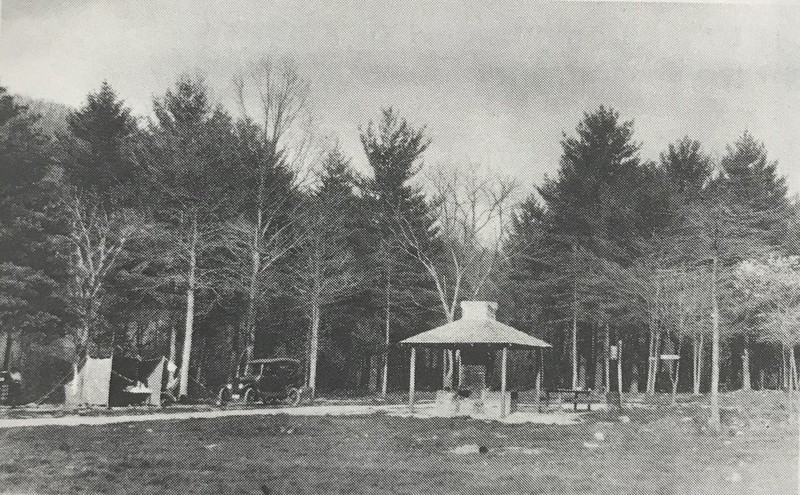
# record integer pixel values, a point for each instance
(503, 368)
(460, 368)
(538, 378)
(412, 379)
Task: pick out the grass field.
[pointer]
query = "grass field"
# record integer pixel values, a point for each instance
(661, 450)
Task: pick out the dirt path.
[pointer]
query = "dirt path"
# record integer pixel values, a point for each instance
(422, 411)
(334, 410)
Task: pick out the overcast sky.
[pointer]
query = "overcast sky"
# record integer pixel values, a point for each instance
(495, 82)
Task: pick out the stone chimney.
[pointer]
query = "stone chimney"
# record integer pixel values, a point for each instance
(478, 310)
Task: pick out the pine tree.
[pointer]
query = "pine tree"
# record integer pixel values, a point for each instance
(324, 270)
(196, 175)
(588, 214)
(394, 151)
(750, 180)
(104, 205)
(99, 151)
(31, 296)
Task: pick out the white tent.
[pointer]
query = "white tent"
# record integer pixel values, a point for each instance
(116, 381)
(90, 384)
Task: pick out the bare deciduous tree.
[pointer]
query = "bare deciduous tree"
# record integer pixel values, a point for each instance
(272, 97)
(774, 284)
(324, 271)
(472, 215)
(97, 237)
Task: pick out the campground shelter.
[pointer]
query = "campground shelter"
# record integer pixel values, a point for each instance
(475, 340)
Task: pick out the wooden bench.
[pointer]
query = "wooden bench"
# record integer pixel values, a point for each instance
(579, 396)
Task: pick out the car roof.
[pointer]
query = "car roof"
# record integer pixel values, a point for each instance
(274, 360)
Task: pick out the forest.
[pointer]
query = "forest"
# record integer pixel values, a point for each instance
(215, 235)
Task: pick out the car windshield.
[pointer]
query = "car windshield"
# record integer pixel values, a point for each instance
(280, 369)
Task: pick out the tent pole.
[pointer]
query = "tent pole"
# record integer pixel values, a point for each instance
(503, 382)
(412, 378)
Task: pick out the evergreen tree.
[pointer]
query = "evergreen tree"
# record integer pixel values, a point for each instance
(31, 296)
(105, 205)
(196, 175)
(99, 159)
(324, 270)
(687, 168)
(740, 214)
(394, 150)
(588, 212)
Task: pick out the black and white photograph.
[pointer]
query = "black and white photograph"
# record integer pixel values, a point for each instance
(369, 247)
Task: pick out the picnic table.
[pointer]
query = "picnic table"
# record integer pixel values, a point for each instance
(577, 395)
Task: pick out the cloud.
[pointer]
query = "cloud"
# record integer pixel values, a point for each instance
(494, 82)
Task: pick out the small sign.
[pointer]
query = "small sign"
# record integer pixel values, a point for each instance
(614, 352)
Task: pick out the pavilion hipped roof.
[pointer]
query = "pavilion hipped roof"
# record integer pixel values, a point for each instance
(475, 331)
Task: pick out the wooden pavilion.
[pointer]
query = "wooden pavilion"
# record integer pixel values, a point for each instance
(474, 340)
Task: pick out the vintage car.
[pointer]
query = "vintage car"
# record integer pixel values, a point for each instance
(269, 381)
(10, 384)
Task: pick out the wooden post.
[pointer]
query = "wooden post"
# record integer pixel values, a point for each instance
(619, 369)
(538, 379)
(460, 369)
(503, 368)
(412, 379)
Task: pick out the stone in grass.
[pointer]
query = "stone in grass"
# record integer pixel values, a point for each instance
(624, 419)
(599, 436)
(470, 449)
(466, 449)
(734, 477)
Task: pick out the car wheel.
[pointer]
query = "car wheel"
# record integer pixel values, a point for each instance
(251, 396)
(293, 397)
(224, 396)
(167, 399)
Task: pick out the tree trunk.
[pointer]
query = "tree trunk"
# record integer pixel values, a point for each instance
(714, 420)
(173, 342)
(190, 290)
(676, 378)
(633, 352)
(792, 372)
(447, 369)
(746, 384)
(252, 293)
(582, 373)
(575, 336)
(313, 349)
(653, 361)
(387, 329)
(607, 358)
(784, 368)
(598, 361)
(7, 352)
(697, 361)
(237, 357)
(657, 361)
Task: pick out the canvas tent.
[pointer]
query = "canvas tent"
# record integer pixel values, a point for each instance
(116, 381)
